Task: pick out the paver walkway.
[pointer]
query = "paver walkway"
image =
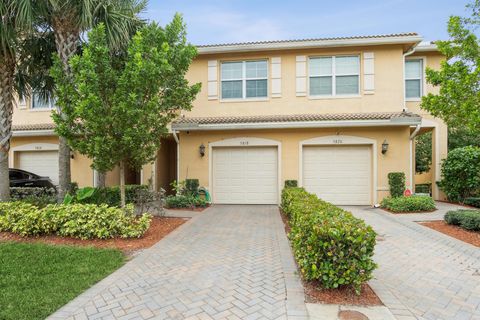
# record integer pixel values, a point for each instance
(423, 274)
(230, 262)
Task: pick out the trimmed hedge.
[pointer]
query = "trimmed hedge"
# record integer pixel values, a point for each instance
(39, 197)
(111, 195)
(474, 202)
(75, 220)
(329, 243)
(467, 219)
(291, 183)
(396, 181)
(423, 188)
(184, 201)
(408, 204)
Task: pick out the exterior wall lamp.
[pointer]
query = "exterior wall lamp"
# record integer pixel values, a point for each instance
(384, 146)
(201, 149)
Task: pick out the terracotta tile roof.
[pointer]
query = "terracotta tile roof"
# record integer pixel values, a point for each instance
(31, 127)
(294, 118)
(394, 35)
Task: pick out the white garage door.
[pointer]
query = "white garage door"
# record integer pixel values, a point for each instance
(245, 175)
(42, 163)
(338, 174)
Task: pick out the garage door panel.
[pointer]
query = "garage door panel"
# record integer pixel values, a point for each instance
(245, 175)
(338, 174)
(42, 163)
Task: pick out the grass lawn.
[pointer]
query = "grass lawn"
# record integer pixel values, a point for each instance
(37, 279)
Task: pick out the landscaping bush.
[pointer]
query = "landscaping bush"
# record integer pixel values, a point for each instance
(329, 243)
(467, 219)
(191, 187)
(109, 195)
(84, 221)
(183, 201)
(461, 173)
(423, 188)
(39, 197)
(408, 204)
(396, 181)
(291, 183)
(474, 202)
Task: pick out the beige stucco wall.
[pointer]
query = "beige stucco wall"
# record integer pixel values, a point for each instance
(192, 165)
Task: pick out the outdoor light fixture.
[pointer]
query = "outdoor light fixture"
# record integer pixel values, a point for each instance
(384, 146)
(202, 150)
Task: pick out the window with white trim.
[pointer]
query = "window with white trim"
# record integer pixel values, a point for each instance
(40, 103)
(413, 78)
(334, 75)
(244, 79)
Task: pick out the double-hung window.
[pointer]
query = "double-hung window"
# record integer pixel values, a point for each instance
(39, 103)
(334, 76)
(413, 78)
(244, 79)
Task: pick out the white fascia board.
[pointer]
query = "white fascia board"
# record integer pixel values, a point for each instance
(427, 48)
(297, 125)
(33, 133)
(307, 44)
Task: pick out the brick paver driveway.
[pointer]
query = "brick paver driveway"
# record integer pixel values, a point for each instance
(422, 273)
(230, 262)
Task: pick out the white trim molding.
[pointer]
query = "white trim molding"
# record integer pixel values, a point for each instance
(33, 133)
(212, 80)
(301, 76)
(340, 140)
(245, 142)
(276, 77)
(368, 72)
(31, 147)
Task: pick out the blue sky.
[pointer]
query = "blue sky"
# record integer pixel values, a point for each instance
(221, 21)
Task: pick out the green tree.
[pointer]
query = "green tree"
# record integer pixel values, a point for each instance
(121, 105)
(68, 19)
(461, 137)
(458, 101)
(16, 22)
(423, 152)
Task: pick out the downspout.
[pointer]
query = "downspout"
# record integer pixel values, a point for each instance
(175, 136)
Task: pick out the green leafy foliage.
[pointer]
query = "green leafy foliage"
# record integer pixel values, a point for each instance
(461, 173)
(467, 219)
(473, 201)
(185, 201)
(329, 243)
(39, 197)
(191, 187)
(396, 181)
(116, 107)
(291, 183)
(423, 188)
(75, 220)
(109, 195)
(459, 95)
(462, 137)
(423, 152)
(408, 204)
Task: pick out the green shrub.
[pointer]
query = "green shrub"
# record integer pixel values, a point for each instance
(182, 201)
(109, 195)
(191, 187)
(467, 219)
(291, 183)
(473, 201)
(423, 188)
(409, 204)
(329, 243)
(75, 220)
(39, 197)
(461, 173)
(396, 181)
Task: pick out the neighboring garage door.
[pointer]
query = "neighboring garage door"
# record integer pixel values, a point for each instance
(245, 175)
(338, 174)
(42, 163)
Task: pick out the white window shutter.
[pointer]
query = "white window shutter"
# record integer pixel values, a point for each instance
(212, 80)
(301, 76)
(368, 73)
(276, 63)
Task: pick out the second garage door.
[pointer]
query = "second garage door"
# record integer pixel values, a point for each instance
(245, 175)
(338, 174)
(42, 163)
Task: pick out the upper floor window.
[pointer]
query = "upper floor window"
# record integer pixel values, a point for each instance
(244, 79)
(40, 103)
(413, 78)
(334, 76)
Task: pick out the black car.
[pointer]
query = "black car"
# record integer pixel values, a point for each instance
(22, 178)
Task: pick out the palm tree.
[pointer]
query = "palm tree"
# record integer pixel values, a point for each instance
(16, 17)
(69, 19)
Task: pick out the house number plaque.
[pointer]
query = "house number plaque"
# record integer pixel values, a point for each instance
(337, 141)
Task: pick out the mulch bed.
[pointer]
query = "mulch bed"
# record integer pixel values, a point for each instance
(342, 295)
(199, 209)
(407, 212)
(159, 228)
(457, 232)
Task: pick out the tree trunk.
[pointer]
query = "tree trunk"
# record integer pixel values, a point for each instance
(7, 68)
(122, 183)
(66, 41)
(101, 179)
